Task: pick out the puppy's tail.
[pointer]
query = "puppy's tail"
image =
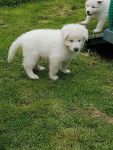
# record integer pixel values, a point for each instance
(13, 49)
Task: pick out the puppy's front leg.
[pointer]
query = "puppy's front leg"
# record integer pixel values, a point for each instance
(64, 69)
(87, 20)
(100, 26)
(53, 69)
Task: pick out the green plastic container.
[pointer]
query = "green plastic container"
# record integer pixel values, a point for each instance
(108, 33)
(111, 16)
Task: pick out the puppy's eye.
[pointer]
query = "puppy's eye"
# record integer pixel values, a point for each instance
(79, 40)
(93, 7)
(71, 41)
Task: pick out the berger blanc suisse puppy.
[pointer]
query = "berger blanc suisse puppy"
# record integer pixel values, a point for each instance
(58, 46)
(97, 9)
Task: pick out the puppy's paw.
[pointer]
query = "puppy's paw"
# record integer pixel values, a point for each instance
(66, 71)
(34, 77)
(41, 68)
(83, 23)
(54, 77)
(97, 30)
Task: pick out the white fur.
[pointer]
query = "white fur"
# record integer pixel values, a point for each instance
(97, 9)
(58, 46)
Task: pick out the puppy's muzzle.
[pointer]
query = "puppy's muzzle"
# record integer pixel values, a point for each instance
(88, 13)
(76, 49)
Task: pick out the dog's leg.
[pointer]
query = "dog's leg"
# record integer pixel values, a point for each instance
(29, 64)
(100, 26)
(64, 69)
(40, 68)
(53, 69)
(87, 20)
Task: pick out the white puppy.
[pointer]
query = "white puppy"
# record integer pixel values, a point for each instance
(58, 46)
(97, 9)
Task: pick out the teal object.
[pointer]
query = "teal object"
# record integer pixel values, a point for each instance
(111, 16)
(108, 33)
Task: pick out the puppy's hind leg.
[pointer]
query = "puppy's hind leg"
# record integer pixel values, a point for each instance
(29, 63)
(39, 67)
(64, 69)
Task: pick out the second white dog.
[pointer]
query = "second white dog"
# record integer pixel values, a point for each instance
(58, 46)
(97, 9)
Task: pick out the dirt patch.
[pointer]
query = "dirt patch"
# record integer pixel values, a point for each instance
(98, 114)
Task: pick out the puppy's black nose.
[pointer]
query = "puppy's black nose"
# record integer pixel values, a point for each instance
(88, 12)
(76, 49)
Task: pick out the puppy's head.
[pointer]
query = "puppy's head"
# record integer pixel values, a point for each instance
(93, 6)
(74, 36)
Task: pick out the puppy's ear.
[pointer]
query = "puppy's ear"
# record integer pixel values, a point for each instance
(86, 35)
(84, 30)
(64, 33)
(99, 1)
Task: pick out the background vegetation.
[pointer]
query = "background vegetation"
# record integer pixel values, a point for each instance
(13, 2)
(73, 113)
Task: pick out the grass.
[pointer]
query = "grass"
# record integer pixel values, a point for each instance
(13, 2)
(73, 113)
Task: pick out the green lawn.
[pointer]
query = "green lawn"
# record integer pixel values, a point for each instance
(73, 113)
